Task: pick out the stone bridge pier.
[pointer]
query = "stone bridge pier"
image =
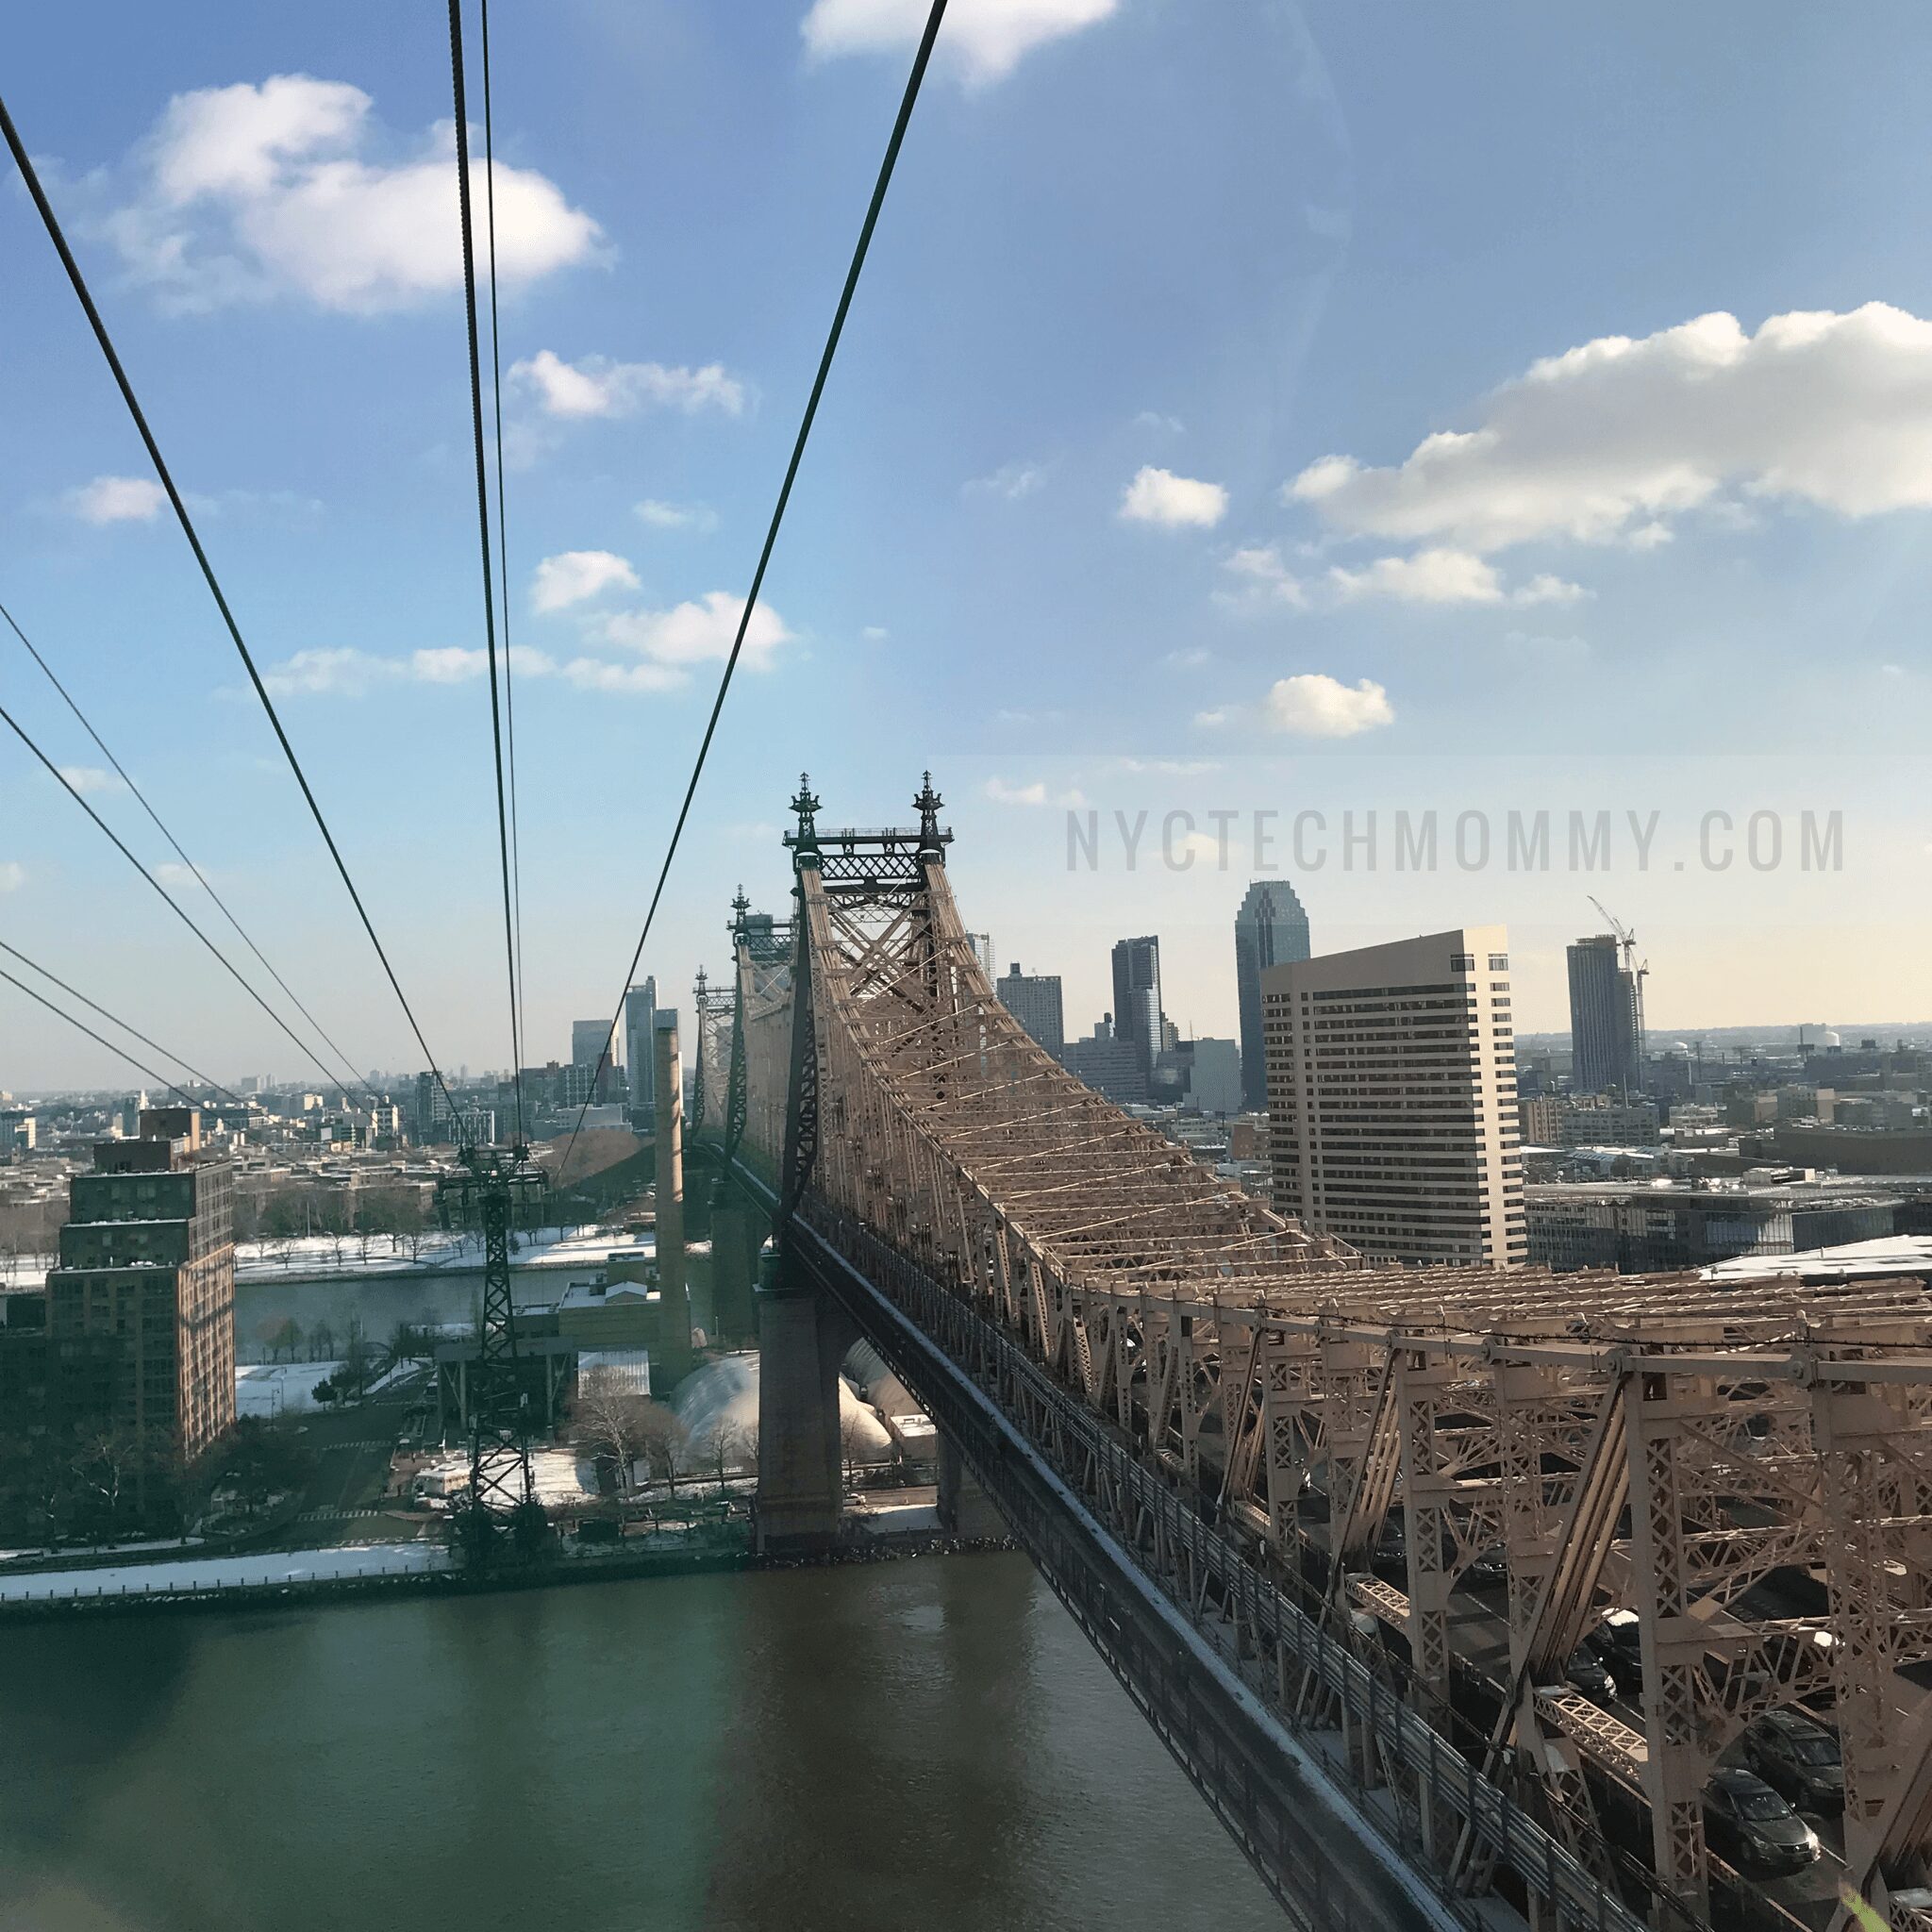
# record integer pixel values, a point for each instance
(803, 1338)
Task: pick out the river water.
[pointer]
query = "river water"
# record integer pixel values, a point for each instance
(926, 1745)
(380, 1301)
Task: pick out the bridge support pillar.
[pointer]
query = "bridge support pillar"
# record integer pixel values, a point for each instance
(965, 1509)
(737, 1233)
(803, 1337)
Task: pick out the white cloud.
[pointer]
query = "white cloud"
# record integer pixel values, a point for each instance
(693, 633)
(1158, 497)
(1212, 721)
(1440, 575)
(347, 673)
(1612, 441)
(172, 873)
(1153, 418)
(1191, 657)
(12, 874)
(677, 516)
(573, 575)
(1261, 578)
(874, 633)
(1315, 706)
(986, 37)
(1001, 792)
(1011, 481)
(596, 386)
(599, 673)
(117, 500)
(92, 779)
(250, 191)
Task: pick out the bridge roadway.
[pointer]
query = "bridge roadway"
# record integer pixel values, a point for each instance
(1347, 1804)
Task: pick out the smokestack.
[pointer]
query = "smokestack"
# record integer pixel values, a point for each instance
(674, 1317)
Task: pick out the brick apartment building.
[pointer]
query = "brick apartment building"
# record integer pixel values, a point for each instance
(140, 1313)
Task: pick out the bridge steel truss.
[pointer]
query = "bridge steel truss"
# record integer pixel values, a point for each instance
(1656, 1443)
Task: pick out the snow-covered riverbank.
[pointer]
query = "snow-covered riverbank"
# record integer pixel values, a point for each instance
(339, 1258)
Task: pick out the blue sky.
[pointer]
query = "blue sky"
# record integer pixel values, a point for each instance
(1120, 501)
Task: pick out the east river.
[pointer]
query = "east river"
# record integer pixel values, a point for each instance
(908, 1746)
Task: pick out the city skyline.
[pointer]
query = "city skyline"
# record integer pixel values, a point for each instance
(1211, 572)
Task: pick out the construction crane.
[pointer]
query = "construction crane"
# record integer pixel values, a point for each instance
(1626, 942)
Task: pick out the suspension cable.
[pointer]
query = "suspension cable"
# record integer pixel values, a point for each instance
(509, 944)
(120, 1053)
(200, 876)
(510, 700)
(55, 233)
(94, 1006)
(174, 906)
(811, 410)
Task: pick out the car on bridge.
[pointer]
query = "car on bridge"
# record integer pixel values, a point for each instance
(1588, 1672)
(1799, 1758)
(1748, 1823)
(1618, 1644)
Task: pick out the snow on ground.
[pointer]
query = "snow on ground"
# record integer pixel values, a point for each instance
(169, 1542)
(279, 1387)
(227, 1572)
(895, 1517)
(561, 1479)
(316, 1257)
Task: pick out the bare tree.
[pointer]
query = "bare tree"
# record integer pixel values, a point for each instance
(670, 1450)
(853, 1437)
(716, 1446)
(615, 1422)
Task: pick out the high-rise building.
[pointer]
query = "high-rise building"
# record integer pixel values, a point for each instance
(147, 1257)
(1108, 1065)
(981, 943)
(1214, 1079)
(593, 1046)
(639, 1056)
(1034, 1000)
(1392, 1098)
(1271, 929)
(1605, 1028)
(1138, 1017)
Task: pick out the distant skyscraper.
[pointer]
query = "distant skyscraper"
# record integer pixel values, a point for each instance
(1137, 1011)
(1108, 1065)
(1034, 1000)
(593, 1045)
(1214, 1080)
(982, 950)
(1392, 1098)
(1271, 929)
(639, 1055)
(1606, 1042)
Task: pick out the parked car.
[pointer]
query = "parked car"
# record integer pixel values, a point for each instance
(1619, 1646)
(1799, 1756)
(1488, 1569)
(1748, 1823)
(1388, 1560)
(1588, 1672)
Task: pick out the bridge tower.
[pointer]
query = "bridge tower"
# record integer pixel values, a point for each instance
(803, 1337)
(718, 1110)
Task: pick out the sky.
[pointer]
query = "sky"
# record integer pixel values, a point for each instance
(1270, 439)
